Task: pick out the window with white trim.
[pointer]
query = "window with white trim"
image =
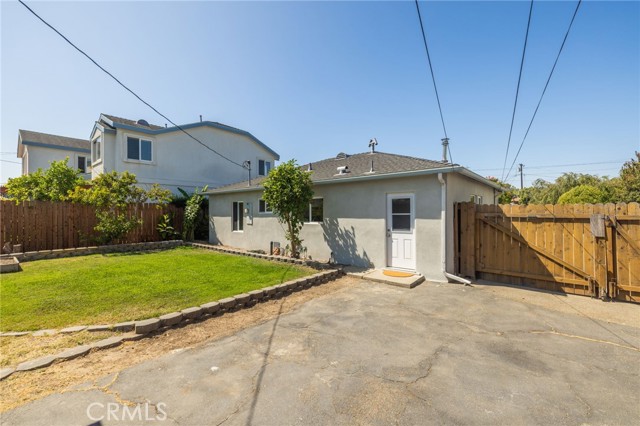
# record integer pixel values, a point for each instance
(264, 167)
(138, 149)
(315, 214)
(476, 199)
(264, 207)
(238, 216)
(95, 152)
(82, 164)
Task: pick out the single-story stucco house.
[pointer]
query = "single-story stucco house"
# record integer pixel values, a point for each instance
(372, 210)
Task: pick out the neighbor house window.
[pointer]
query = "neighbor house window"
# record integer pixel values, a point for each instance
(138, 149)
(316, 211)
(238, 216)
(264, 207)
(476, 199)
(82, 164)
(97, 155)
(264, 167)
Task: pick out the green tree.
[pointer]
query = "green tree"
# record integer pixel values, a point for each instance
(288, 191)
(583, 194)
(192, 210)
(54, 184)
(630, 179)
(112, 194)
(510, 193)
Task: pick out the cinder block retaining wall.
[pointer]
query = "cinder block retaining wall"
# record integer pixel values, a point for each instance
(85, 251)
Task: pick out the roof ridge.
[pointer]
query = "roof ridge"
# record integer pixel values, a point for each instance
(52, 134)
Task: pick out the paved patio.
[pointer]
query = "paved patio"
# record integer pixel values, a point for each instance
(375, 354)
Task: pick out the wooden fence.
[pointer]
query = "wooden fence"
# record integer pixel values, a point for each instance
(588, 249)
(44, 225)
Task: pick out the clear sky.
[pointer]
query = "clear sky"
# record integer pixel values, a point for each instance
(311, 79)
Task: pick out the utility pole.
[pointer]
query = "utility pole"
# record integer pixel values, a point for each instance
(520, 169)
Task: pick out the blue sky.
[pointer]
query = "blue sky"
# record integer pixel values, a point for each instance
(311, 79)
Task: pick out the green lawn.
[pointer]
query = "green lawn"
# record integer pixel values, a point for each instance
(105, 289)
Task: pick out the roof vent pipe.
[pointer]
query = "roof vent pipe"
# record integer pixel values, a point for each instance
(371, 171)
(201, 118)
(310, 167)
(445, 148)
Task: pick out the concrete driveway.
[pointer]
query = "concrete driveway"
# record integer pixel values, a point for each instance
(375, 354)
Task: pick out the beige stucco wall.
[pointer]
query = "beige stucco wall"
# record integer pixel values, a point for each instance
(179, 161)
(36, 157)
(460, 188)
(354, 226)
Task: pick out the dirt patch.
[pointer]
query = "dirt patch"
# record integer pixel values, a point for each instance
(17, 349)
(24, 387)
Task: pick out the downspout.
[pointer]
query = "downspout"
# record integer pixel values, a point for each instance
(443, 234)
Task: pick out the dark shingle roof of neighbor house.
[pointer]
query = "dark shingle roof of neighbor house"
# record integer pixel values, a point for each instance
(133, 123)
(28, 137)
(359, 166)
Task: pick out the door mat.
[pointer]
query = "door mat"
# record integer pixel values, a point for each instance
(397, 274)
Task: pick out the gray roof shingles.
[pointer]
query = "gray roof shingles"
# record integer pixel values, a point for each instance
(358, 164)
(133, 123)
(55, 140)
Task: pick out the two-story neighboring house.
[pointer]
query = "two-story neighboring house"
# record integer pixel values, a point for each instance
(37, 150)
(171, 158)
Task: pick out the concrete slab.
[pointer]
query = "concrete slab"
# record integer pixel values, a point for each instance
(377, 275)
(376, 354)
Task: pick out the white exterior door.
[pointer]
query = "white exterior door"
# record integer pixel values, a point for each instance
(401, 240)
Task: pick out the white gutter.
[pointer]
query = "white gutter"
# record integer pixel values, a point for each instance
(443, 234)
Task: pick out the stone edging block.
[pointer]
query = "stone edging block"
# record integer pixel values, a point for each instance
(6, 372)
(44, 361)
(107, 343)
(211, 308)
(74, 352)
(73, 329)
(147, 326)
(170, 319)
(192, 313)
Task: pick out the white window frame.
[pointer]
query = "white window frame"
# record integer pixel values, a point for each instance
(125, 149)
(309, 212)
(96, 154)
(267, 209)
(237, 205)
(265, 162)
(476, 199)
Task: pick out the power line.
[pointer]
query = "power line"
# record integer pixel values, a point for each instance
(515, 102)
(127, 89)
(561, 165)
(433, 77)
(8, 161)
(546, 85)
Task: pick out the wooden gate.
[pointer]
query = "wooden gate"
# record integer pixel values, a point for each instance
(587, 249)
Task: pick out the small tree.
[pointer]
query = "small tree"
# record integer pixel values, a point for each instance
(54, 184)
(288, 191)
(192, 210)
(582, 194)
(112, 193)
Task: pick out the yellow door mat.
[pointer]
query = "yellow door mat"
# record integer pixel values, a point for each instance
(398, 274)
